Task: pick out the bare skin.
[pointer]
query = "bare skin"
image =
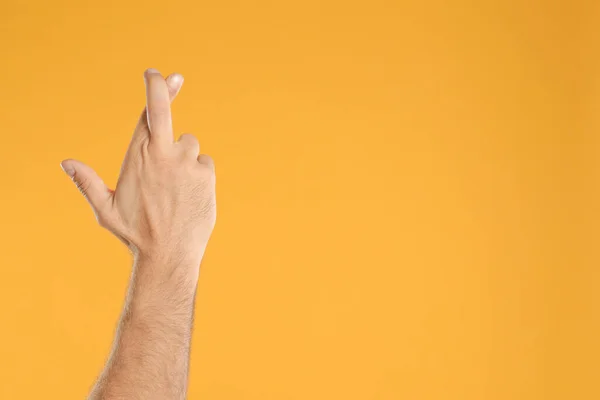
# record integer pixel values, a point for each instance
(163, 208)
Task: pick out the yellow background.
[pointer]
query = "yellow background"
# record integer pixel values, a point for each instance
(407, 194)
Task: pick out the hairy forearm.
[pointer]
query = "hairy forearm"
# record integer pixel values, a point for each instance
(150, 355)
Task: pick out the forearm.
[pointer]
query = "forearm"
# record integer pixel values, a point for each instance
(150, 354)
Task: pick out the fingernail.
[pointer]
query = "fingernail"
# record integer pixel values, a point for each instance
(175, 80)
(152, 71)
(68, 170)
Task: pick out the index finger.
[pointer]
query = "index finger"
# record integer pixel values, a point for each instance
(158, 108)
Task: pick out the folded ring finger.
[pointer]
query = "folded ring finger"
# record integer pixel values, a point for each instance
(189, 144)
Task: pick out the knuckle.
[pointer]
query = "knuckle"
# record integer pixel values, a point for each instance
(206, 162)
(189, 142)
(189, 136)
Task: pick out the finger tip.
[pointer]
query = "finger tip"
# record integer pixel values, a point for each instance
(175, 80)
(67, 167)
(150, 71)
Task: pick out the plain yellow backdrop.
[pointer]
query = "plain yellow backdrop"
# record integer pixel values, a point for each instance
(407, 194)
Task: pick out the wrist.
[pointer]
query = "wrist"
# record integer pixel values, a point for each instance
(167, 272)
(171, 252)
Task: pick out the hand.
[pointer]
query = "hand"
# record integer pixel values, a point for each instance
(163, 207)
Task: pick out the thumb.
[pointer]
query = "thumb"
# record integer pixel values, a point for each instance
(88, 182)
